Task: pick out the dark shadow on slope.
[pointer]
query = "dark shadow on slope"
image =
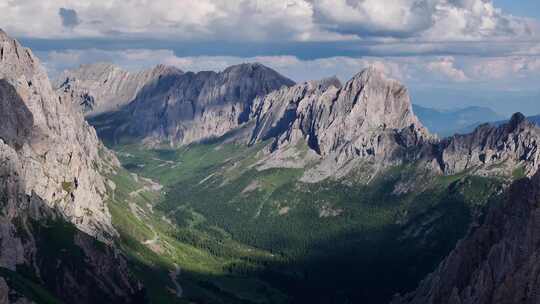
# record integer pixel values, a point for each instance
(357, 265)
(352, 267)
(16, 120)
(166, 107)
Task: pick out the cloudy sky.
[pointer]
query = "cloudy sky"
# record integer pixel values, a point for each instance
(451, 53)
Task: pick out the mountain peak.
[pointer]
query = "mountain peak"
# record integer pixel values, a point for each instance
(256, 71)
(17, 60)
(167, 69)
(330, 81)
(371, 72)
(517, 119)
(369, 117)
(373, 69)
(249, 67)
(378, 101)
(515, 142)
(374, 77)
(3, 35)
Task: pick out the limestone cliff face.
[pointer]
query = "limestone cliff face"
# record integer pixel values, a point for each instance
(494, 149)
(181, 109)
(497, 262)
(49, 174)
(104, 87)
(347, 120)
(56, 150)
(369, 118)
(366, 106)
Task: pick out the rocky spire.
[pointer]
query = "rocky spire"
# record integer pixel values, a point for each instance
(516, 120)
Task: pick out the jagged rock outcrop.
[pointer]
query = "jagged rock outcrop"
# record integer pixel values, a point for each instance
(104, 87)
(49, 174)
(497, 262)
(185, 108)
(368, 118)
(494, 149)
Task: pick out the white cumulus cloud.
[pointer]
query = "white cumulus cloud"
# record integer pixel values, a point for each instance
(447, 67)
(258, 20)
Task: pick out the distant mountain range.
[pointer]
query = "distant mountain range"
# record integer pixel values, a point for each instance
(501, 101)
(449, 122)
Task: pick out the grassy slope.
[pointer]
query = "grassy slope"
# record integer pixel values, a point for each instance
(323, 243)
(205, 274)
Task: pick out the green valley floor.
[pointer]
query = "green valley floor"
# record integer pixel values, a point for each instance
(203, 224)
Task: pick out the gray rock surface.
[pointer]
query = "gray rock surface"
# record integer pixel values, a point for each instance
(497, 262)
(369, 118)
(181, 109)
(50, 163)
(104, 87)
(57, 152)
(494, 149)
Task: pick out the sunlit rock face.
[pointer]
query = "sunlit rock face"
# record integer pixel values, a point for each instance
(50, 178)
(57, 151)
(104, 87)
(369, 118)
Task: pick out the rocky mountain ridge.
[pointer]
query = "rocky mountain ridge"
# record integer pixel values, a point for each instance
(510, 146)
(371, 119)
(104, 87)
(184, 108)
(534, 119)
(368, 119)
(58, 151)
